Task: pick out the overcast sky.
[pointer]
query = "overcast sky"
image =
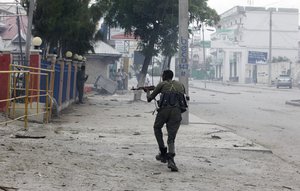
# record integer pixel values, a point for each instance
(223, 5)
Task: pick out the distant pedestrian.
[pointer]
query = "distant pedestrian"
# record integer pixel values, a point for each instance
(171, 104)
(119, 79)
(80, 80)
(124, 80)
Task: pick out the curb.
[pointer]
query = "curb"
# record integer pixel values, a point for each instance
(221, 137)
(217, 91)
(293, 102)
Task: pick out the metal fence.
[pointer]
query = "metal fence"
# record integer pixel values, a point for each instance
(29, 93)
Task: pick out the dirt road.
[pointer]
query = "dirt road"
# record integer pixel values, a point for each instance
(108, 144)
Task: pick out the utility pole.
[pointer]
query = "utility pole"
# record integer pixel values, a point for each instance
(184, 51)
(29, 28)
(204, 59)
(270, 50)
(20, 35)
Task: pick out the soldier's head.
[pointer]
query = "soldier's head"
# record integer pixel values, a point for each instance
(167, 75)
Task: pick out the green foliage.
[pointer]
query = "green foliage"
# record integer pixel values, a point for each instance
(200, 12)
(280, 59)
(66, 24)
(154, 22)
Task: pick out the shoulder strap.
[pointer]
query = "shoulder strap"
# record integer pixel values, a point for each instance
(172, 86)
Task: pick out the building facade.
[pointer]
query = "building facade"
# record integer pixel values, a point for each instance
(248, 37)
(11, 26)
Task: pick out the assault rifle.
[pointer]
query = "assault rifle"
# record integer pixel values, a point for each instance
(145, 88)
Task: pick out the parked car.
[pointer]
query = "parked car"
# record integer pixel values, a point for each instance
(284, 81)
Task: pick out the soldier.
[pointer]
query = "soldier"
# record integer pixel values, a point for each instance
(81, 78)
(171, 104)
(124, 80)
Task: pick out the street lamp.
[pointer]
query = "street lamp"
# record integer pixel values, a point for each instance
(69, 54)
(79, 58)
(75, 56)
(37, 42)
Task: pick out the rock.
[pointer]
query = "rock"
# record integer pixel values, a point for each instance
(215, 137)
(136, 133)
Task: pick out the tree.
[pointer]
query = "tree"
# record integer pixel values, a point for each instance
(66, 24)
(154, 23)
(199, 13)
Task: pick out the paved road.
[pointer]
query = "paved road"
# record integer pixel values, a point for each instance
(256, 112)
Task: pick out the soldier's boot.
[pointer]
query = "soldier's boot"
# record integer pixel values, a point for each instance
(171, 162)
(162, 156)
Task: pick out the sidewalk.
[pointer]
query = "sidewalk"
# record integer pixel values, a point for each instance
(108, 144)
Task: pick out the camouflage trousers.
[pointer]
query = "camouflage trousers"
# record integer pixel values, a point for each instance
(171, 117)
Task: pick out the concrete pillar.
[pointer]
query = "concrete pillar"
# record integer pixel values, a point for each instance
(221, 71)
(75, 80)
(243, 62)
(5, 60)
(226, 66)
(52, 59)
(61, 82)
(184, 51)
(35, 62)
(69, 64)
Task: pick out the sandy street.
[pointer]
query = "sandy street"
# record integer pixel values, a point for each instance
(108, 144)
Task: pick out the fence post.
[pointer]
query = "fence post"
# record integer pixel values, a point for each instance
(61, 82)
(35, 62)
(27, 75)
(75, 80)
(5, 61)
(69, 64)
(52, 59)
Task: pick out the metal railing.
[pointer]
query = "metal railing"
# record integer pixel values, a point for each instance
(24, 94)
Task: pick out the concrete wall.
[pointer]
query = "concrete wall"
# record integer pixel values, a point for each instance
(97, 65)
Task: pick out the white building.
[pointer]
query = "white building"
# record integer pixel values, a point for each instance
(245, 39)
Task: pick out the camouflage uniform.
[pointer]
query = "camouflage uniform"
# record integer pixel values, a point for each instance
(81, 78)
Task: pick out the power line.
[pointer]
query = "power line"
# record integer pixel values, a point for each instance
(270, 4)
(281, 3)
